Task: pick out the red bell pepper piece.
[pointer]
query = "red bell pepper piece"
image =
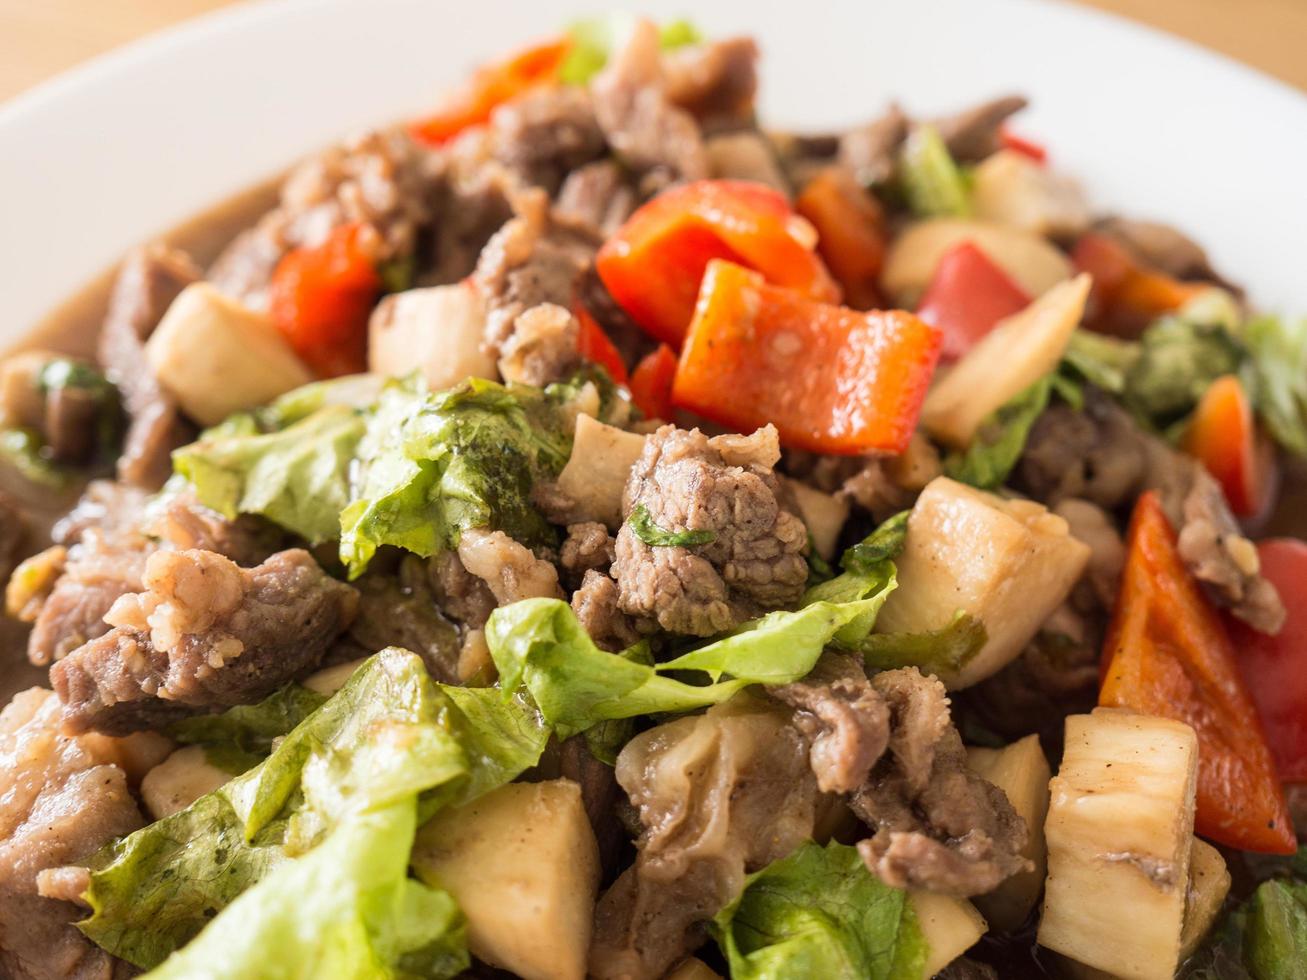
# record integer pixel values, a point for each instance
(595, 346)
(1128, 294)
(321, 297)
(967, 296)
(1019, 144)
(833, 380)
(1223, 436)
(651, 383)
(653, 264)
(1167, 653)
(851, 234)
(1275, 667)
(490, 87)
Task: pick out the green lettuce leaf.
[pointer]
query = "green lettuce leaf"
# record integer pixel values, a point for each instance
(820, 913)
(929, 177)
(942, 651)
(240, 738)
(1101, 360)
(388, 738)
(539, 645)
(1001, 439)
(1279, 369)
(430, 467)
(347, 910)
(645, 528)
(595, 37)
(297, 477)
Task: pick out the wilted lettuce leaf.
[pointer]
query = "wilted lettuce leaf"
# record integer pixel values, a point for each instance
(1101, 360)
(388, 738)
(820, 913)
(347, 909)
(1279, 369)
(539, 644)
(940, 651)
(432, 466)
(240, 738)
(999, 442)
(297, 477)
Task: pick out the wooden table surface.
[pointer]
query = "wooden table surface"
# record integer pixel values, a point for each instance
(39, 38)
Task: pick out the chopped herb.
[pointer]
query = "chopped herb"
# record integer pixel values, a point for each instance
(642, 523)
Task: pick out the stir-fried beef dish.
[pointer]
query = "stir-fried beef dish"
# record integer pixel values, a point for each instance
(584, 532)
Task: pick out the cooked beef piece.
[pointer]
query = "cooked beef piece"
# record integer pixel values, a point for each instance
(1095, 453)
(719, 795)
(529, 273)
(204, 635)
(399, 609)
(871, 151)
(1225, 561)
(61, 799)
(509, 568)
(627, 336)
(1167, 248)
(572, 759)
(382, 178)
(148, 281)
(716, 81)
(71, 424)
(546, 134)
(474, 203)
(106, 556)
(1089, 523)
(460, 595)
(588, 545)
(598, 608)
(1055, 675)
(725, 486)
(186, 524)
(596, 198)
(110, 534)
(973, 134)
(13, 535)
(937, 825)
(843, 717)
(648, 133)
(967, 969)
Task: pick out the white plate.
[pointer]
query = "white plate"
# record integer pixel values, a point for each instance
(132, 143)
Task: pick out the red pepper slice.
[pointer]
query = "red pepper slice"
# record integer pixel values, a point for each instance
(490, 87)
(651, 383)
(1128, 295)
(321, 297)
(1275, 667)
(654, 263)
(1223, 436)
(833, 380)
(595, 346)
(1019, 144)
(1167, 653)
(968, 295)
(851, 235)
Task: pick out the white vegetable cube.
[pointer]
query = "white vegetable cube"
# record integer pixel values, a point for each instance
(1021, 771)
(1209, 883)
(1120, 832)
(1019, 351)
(437, 331)
(693, 969)
(179, 781)
(950, 926)
(523, 864)
(823, 513)
(1013, 189)
(1009, 563)
(596, 472)
(216, 356)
